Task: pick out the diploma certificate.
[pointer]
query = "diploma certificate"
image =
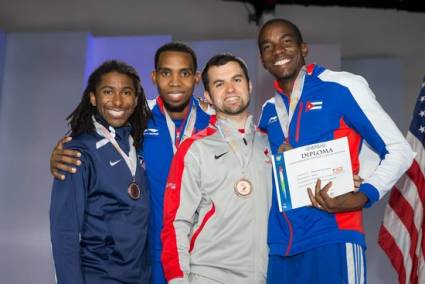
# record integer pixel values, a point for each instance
(297, 169)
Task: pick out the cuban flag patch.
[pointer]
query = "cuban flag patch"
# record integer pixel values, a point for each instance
(313, 105)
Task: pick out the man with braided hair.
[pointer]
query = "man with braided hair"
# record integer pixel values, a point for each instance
(99, 216)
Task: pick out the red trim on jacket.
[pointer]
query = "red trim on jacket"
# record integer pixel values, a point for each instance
(354, 140)
(207, 216)
(310, 68)
(279, 89)
(169, 255)
(350, 220)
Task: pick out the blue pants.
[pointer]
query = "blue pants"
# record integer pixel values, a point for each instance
(341, 263)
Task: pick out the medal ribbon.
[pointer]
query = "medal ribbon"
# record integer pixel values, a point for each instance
(226, 129)
(282, 113)
(131, 159)
(186, 128)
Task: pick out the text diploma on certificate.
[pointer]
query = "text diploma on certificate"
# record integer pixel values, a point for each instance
(297, 169)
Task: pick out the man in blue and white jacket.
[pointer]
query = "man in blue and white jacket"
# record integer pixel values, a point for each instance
(323, 243)
(176, 115)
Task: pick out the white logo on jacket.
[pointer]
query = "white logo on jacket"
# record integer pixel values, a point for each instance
(171, 185)
(151, 132)
(272, 119)
(114, 163)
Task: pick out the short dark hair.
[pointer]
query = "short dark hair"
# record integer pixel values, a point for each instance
(295, 29)
(80, 119)
(220, 60)
(178, 47)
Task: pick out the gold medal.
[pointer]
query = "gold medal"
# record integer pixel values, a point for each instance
(134, 191)
(284, 147)
(243, 187)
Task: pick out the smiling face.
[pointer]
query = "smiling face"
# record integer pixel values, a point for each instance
(115, 98)
(282, 52)
(175, 78)
(228, 89)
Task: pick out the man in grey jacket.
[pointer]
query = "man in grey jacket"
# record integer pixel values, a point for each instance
(219, 189)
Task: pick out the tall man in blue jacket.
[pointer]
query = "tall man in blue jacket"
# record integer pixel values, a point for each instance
(323, 243)
(176, 115)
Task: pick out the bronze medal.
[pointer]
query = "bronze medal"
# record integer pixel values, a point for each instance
(243, 187)
(134, 191)
(284, 147)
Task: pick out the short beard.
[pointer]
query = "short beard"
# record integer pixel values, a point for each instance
(176, 108)
(238, 111)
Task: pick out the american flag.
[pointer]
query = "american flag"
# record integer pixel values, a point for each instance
(402, 233)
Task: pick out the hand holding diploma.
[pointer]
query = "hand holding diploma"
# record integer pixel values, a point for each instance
(347, 202)
(296, 170)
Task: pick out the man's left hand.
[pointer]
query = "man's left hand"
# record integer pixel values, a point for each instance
(350, 201)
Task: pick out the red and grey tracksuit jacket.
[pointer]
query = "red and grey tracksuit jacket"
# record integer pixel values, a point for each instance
(208, 229)
(334, 105)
